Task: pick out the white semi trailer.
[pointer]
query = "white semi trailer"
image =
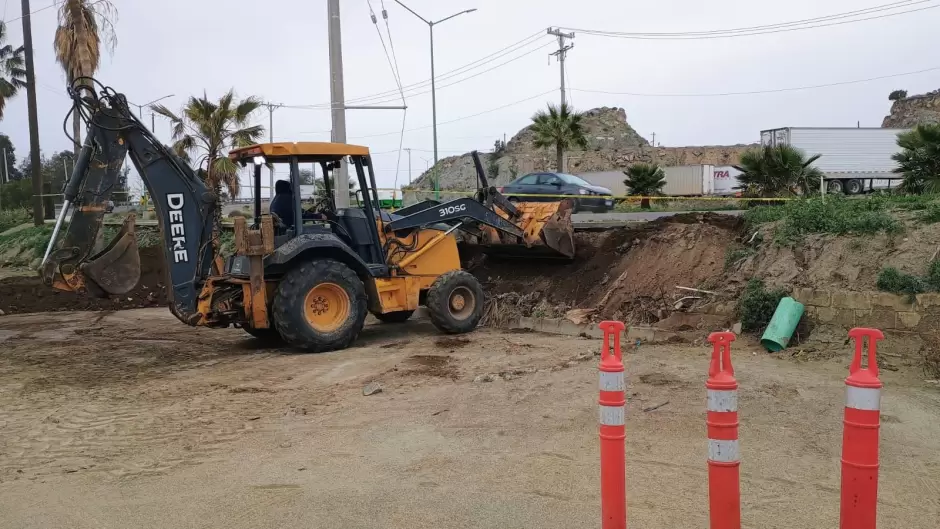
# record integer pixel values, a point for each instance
(854, 160)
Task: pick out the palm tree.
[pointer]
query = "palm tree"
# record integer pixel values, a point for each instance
(12, 69)
(778, 170)
(919, 159)
(645, 180)
(204, 131)
(560, 128)
(77, 43)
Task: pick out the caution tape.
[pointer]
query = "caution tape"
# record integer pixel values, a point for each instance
(596, 197)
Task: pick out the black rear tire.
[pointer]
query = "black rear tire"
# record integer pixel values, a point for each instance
(854, 187)
(394, 317)
(320, 306)
(269, 335)
(455, 302)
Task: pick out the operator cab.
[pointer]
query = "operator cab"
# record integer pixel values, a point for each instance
(355, 226)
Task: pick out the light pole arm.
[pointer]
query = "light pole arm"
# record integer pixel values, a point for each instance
(412, 12)
(450, 17)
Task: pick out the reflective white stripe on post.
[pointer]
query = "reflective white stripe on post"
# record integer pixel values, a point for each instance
(611, 415)
(722, 400)
(611, 381)
(723, 451)
(863, 398)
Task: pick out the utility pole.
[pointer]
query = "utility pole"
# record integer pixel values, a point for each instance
(338, 102)
(409, 165)
(271, 108)
(153, 122)
(34, 160)
(560, 54)
(338, 105)
(654, 139)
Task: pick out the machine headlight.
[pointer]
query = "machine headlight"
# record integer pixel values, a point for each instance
(259, 160)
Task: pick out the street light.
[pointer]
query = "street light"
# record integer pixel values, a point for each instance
(433, 93)
(140, 110)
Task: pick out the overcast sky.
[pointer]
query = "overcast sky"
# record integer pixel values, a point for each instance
(278, 50)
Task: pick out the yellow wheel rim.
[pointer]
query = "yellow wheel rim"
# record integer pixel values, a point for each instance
(461, 303)
(326, 307)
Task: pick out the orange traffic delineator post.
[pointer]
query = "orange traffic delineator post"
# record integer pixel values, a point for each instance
(612, 429)
(724, 489)
(862, 422)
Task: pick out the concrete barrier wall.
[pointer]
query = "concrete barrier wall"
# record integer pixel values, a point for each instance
(882, 310)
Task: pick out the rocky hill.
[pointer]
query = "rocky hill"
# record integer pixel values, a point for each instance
(612, 145)
(914, 110)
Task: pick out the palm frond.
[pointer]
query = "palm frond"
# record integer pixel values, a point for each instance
(226, 172)
(247, 136)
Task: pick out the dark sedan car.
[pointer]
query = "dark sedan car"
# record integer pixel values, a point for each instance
(586, 196)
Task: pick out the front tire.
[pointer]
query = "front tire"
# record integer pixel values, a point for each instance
(320, 306)
(400, 316)
(455, 302)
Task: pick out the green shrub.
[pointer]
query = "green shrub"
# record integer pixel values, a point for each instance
(892, 280)
(757, 304)
(933, 275)
(835, 215)
(760, 214)
(12, 218)
(930, 214)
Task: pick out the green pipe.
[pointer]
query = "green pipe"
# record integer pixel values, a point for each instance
(781, 327)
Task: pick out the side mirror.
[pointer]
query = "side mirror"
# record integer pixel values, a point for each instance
(556, 183)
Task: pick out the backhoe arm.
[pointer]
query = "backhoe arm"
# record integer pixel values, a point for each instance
(183, 205)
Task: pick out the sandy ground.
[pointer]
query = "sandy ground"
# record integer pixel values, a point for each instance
(131, 419)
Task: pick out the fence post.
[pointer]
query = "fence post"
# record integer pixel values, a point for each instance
(612, 431)
(724, 489)
(861, 424)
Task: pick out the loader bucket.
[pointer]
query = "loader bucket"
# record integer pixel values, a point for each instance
(116, 269)
(547, 233)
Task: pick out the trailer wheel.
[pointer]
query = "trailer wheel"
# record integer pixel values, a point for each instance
(854, 187)
(320, 306)
(455, 302)
(834, 187)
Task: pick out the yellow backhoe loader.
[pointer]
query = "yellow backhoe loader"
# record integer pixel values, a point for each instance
(309, 280)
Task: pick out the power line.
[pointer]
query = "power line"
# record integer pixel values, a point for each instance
(760, 30)
(477, 74)
(462, 69)
(771, 91)
(483, 61)
(41, 9)
(507, 105)
(392, 67)
(846, 14)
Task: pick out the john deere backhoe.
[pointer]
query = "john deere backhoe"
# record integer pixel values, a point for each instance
(306, 281)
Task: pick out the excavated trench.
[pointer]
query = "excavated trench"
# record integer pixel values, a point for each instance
(627, 273)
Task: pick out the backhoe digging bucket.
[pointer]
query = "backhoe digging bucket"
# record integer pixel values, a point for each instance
(116, 269)
(548, 233)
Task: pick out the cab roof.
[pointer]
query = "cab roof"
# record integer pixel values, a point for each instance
(307, 148)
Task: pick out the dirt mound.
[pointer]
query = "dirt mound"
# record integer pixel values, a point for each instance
(847, 262)
(629, 274)
(28, 294)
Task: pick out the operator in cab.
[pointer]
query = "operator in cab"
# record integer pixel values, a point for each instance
(283, 205)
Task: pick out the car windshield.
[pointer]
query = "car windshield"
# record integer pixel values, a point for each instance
(572, 179)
